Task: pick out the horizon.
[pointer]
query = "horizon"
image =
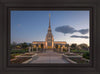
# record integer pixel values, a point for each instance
(29, 26)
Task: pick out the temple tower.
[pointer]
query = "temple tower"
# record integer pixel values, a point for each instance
(49, 40)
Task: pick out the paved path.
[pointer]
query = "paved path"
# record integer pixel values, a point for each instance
(49, 57)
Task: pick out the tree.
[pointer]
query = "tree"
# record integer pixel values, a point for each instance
(42, 46)
(36, 45)
(74, 46)
(56, 46)
(78, 47)
(84, 46)
(30, 45)
(67, 45)
(86, 55)
(24, 45)
(13, 45)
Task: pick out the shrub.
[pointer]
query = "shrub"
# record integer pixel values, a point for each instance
(79, 51)
(17, 51)
(34, 49)
(64, 50)
(86, 55)
(12, 56)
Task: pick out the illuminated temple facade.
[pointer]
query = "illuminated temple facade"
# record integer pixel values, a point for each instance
(49, 42)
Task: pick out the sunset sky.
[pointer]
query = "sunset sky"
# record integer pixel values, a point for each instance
(69, 26)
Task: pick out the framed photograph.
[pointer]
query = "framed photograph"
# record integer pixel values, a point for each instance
(31, 43)
(42, 37)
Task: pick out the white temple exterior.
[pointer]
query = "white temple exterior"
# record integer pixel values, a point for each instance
(49, 42)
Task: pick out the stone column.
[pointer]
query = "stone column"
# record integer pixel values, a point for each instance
(61, 49)
(29, 49)
(66, 48)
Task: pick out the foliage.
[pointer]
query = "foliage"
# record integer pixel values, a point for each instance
(42, 46)
(79, 60)
(82, 51)
(86, 55)
(67, 45)
(73, 46)
(13, 45)
(83, 46)
(20, 60)
(12, 56)
(36, 45)
(56, 46)
(18, 51)
(64, 50)
(24, 45)
(34, 49)
(30, 45)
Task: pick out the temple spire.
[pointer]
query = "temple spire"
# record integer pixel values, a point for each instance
(49, 20)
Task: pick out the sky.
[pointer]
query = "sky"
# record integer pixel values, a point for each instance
(69, 26)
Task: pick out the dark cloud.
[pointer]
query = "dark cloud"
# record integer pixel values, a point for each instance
(83, 31)
(65, 29)
(75, 36)
(68, 29)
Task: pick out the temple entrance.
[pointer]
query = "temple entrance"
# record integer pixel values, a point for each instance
(49, 47)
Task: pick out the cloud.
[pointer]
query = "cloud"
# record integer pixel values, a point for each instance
(68, 29)
(75, 36)
(83, 31)
(65, 29)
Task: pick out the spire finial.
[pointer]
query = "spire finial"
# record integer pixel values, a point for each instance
(49, 15)
(49, 19)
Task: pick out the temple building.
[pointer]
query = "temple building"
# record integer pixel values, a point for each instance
(49, 42)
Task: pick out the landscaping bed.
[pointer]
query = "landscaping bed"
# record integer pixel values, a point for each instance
(19, 60)
(79, 60)
(12, 56)
(79, 51)
(71, 54)
(27, 54)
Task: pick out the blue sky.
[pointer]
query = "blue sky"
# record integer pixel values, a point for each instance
(28, 26)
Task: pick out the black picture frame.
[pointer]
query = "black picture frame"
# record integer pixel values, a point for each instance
(92, 5)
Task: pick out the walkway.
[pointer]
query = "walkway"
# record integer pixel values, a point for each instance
(49, 57)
